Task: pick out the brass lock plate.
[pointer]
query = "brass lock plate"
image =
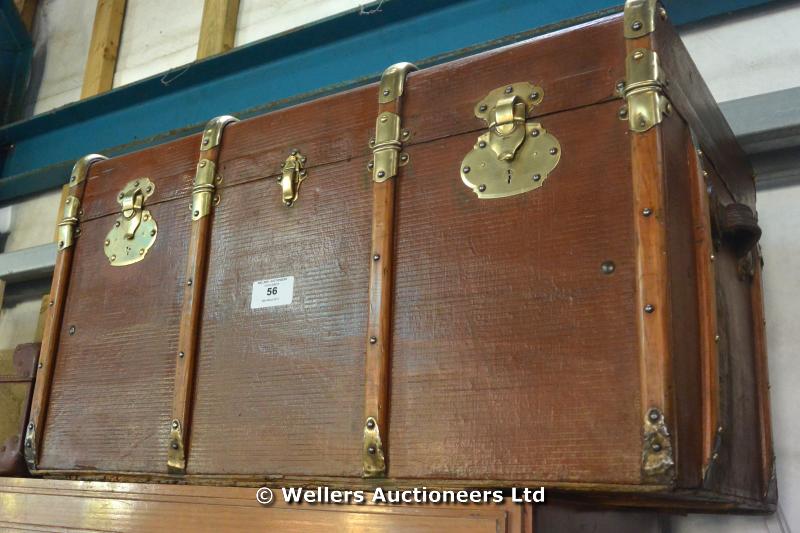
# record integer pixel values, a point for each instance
(134, 231)
(514, 156)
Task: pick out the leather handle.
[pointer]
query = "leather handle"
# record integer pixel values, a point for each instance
(739, 228)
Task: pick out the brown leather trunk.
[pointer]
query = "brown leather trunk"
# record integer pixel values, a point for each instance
(16, 389)
(575, 304)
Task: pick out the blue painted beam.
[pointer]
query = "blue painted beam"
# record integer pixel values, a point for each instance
(16, 50)
(337, 53)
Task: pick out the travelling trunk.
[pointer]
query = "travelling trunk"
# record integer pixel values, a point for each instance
(536, 265)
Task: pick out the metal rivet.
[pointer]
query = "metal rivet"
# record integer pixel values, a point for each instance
(623, 112)
(699, 152)
(656, 447)
(72, 178)
(218, 179)
(203, 163)
(373, 340)
(482, 108)
(205, 142)
(149, 188)
(647, 211)
(381, 173)
(653, 415)
(534, 95)
(509, 89)
(662, 13)
(715, 457)
(534, 133)
(51, 303)
(174, 424)
(636, 26)
(372, 142)
(68, 201)
(716, 338)
(294, 151)
(620, 86)
(537, 177)
(136, 184)
(406, 133)
(638, 54)
(120, 196)
(152, 232)
(116, 224)
(465, 170)
(608, 267)
(376, 257)
(371, 450)
(719, 429)
(30, 426)
(60, 244)
(386, 92)
(553, 150)
(41, 365)
(482, 144)
(371, 165)
(141, 251)
(384, 118)
(113, 257)
(72, 330)
(27, 444)
(189, 282)
(77, 231)
(181, 354)
(404, 157)
(482, 188)
(174, 445)
(649, 308)
(370, 424)
(712, 257)
(196, 213)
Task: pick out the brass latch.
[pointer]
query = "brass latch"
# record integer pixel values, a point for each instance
(514, 156)
(134, 231)
(644, 91)
(293, 173)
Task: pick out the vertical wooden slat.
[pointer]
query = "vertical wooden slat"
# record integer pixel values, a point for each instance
(194, 283)
(379, 328)
(52, 324)
(27, 10)
(102, 60)
(218, 27)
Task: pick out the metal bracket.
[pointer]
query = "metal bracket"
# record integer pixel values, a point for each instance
(81, 168)
(514, 156)
(203, 190)
(67, 228)
(212, 135)
(374, 463)
(658, 464)
(389, 136)
(134, 231)
(640, 17)
(293, 174)
(176, 458)
(392, 81)
(644, 90)
(30, 447)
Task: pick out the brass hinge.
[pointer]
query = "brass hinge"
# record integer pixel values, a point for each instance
(67, 228)
(30, 447)
(644, 91)
(374, 464)
(658, 464)
(389, 136)
(176, 458)
(206, 176)
(639, 17)
(81, 168)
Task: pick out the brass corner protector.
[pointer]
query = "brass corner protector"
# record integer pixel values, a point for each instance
(212, 134)
(658, 464)
(374, 463)
(203, 189)
(176, 457)
(644, 90)
(392, 81)
(67, 227)
(30, 447)
(81, 168)
(639, 17)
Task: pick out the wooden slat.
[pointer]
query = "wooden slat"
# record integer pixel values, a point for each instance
(102, 60)
(27, 10)
(54, 505)
(218, 27)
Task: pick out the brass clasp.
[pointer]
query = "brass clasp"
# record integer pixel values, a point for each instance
(134, 231)
(293, 174)
(514, 156)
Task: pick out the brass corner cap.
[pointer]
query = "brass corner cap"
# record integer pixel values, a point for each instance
(212, 133)
(81, 168)
(392, 81)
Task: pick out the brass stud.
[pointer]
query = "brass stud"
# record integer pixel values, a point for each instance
(205, 142)
(481, 188)
(553, 150)
(509, 89)
(623, 112)
(41, 365)
(647, 211)
(141, 251)
(113, 257)
(68, 201)
(386, 92)
(181, 354)
(656, 447)
(72, 330)
(108, 242)
(608, 267)
(403, 157)
(174, 424)
(716, 338)
(370, 424)
(149, 188)
(30, 426)
(535, 95)
(196, 213)
(376, 257)
(116, 224)
(466, 170)
(51, 303)
(152, 233)
(638, 54)
(534, 133)
(189, 282)
(136, 184)
(649, 308)
(381, 173)
(202, 163)
(653, 415)
(537, 177)
(373, 340)
(405, 133)
(636, 26)
(482, 108)
(712, 257)
(715, 456)
(60, 244)
(174, 445)
(371, 165)
(482, 144)
(371, 449)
